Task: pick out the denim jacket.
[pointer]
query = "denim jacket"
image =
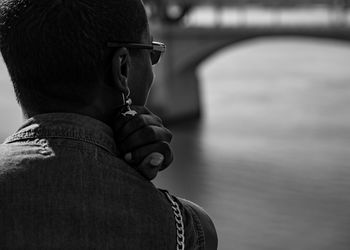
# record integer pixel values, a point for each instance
(63, 187)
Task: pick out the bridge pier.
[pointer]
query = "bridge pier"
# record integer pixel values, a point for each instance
(175, 93)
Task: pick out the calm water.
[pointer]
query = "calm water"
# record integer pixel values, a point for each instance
(270, 160)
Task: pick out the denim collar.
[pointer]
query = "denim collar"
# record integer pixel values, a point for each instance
(69, 126)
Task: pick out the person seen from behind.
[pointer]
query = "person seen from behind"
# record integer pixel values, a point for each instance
(76, 174)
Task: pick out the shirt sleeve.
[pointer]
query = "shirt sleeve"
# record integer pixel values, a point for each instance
(207, 236)
(200, 232)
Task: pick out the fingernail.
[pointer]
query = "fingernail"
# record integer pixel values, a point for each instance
(128, 157)
(157, 160)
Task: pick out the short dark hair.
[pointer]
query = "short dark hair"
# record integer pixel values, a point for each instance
(57, 48)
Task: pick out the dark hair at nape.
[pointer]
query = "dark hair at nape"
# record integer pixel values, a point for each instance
(56, 49)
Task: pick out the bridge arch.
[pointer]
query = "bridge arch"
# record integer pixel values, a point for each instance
(189, 47)
(196, 62)
(177, 92)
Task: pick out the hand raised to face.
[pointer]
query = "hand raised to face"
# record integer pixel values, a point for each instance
(143, 141)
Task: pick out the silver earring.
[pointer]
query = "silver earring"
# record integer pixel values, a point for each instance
(126, 103)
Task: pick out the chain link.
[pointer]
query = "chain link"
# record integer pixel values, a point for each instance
(180, 229)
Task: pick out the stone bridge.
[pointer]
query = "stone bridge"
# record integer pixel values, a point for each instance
(175, 94)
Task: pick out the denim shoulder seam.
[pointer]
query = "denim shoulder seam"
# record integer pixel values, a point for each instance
(198, 227)
(29, 135)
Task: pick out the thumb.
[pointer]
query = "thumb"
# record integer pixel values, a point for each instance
(151, 165)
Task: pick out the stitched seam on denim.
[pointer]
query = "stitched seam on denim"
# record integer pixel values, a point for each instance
(33, 135)
(198, 227)
(163, 192)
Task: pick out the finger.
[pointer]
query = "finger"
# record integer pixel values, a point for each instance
(137, 156)
(151, 165)
(143, 137)
(137, 123)
(120, 121)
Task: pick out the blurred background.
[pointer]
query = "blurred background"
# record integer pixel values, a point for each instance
(257, 94)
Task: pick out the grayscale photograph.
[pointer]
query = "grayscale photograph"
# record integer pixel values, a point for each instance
(175, 124)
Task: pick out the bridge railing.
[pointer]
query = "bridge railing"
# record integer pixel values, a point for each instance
(173, 11)
(232, 17)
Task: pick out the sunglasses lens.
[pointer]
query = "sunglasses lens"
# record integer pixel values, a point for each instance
(155, 56)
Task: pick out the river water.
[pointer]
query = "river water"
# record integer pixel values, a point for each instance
(270, 158)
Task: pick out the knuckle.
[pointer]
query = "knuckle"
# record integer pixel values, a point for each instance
(133, 125)
(146, 120)
(150, 133)
(157, 118)
(168, 134)
(165, 145)
(140, 121)
(153, 120)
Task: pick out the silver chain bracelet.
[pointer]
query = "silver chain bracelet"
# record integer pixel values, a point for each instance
(180, 229)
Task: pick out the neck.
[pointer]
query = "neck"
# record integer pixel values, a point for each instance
(105, 116)
(103, 107)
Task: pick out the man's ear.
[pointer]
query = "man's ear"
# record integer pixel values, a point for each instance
(120, 69)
